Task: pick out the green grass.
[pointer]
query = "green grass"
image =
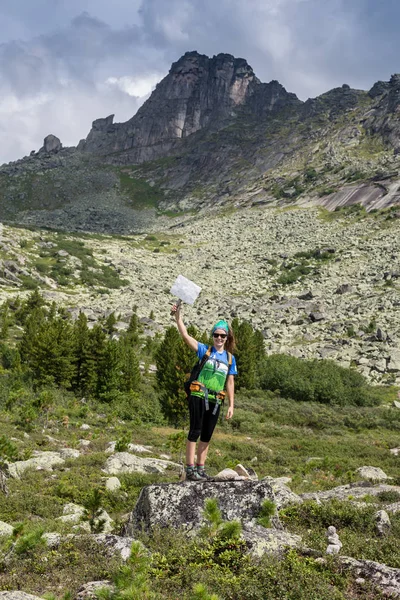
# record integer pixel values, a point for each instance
(138, 191)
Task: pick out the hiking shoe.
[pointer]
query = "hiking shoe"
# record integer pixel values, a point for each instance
(203, 475)
(192, 475)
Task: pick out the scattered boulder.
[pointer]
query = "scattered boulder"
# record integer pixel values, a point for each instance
(382, 523)
(40, 460)
(345, 288)
(228, 475)
(262, 541)
(5, 529)
(372, 473)
(395, 451)
(352, 491)
(316, 316)
(115, 544)
(124, 462)
(386, 578)
(89, 591)
(69, 453)
(72, 513)
(113, 484)
(52, 539)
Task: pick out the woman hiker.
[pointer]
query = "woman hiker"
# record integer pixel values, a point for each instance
(206, 393)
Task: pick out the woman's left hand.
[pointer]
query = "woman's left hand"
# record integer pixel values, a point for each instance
(229, 413)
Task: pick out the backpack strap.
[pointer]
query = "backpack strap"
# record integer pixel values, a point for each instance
(229, 358)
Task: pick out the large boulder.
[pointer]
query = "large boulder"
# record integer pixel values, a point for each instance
(182, 504)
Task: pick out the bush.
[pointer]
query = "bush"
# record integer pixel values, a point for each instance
(316, 380)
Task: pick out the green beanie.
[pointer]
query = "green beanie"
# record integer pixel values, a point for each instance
(221, 325)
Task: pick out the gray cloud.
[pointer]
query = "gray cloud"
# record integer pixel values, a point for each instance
(64, 64)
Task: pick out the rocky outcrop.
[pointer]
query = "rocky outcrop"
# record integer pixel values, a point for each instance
(51, 143)
(182, 504)
(124, 462)
(386, 578)
(384, 118)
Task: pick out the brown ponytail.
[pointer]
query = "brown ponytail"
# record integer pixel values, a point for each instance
(230, 345)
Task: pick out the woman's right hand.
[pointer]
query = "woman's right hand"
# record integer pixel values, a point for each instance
(176, 310)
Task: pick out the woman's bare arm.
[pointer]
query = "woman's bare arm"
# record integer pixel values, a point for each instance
(230, 391)
(188, 339)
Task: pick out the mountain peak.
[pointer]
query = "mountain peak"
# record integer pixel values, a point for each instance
(198, 92)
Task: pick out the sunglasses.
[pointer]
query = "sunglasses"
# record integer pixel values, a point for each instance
(220, 335)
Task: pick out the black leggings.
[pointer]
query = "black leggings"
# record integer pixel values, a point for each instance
(202, 421)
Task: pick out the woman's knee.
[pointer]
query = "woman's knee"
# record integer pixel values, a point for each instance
(193, 435)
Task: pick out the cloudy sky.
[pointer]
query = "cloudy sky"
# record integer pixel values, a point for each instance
(65, 63)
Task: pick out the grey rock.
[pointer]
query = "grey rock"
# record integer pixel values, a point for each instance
(51, 143)
(396, 404)
(52, 539)
(115, 544)
(344, 288)
(395, 451)
(382, 523)
(246, 472)
(123, 462)
(40, 460)
(18, 595)
(229, 475)
(261, 541)
(372, 473)
(386, 578)
(316, 316)
(69, 453)
(113, 484)
(5, 529)
(354, 491)
(89, 591)
(182, 504)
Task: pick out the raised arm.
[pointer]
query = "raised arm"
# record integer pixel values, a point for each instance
(188, 339)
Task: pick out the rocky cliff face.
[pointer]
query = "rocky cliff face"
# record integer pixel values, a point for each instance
(199, 92)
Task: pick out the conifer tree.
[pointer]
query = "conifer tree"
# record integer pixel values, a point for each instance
(110, 323)
(47, 348)
(245, 354)
(130, 376)
(133, 329)
(85, 373)
(174, 360)
(109, 371)
(171, 376)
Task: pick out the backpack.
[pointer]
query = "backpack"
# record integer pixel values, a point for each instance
(195, 372)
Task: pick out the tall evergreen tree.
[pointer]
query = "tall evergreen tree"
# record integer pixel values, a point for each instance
(85, 373)
(109, 371)
(245, 354)
(130, 376)
(133, 330)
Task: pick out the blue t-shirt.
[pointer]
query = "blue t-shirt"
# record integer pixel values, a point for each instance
(214, 373)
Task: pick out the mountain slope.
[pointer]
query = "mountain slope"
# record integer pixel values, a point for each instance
(210, 135)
